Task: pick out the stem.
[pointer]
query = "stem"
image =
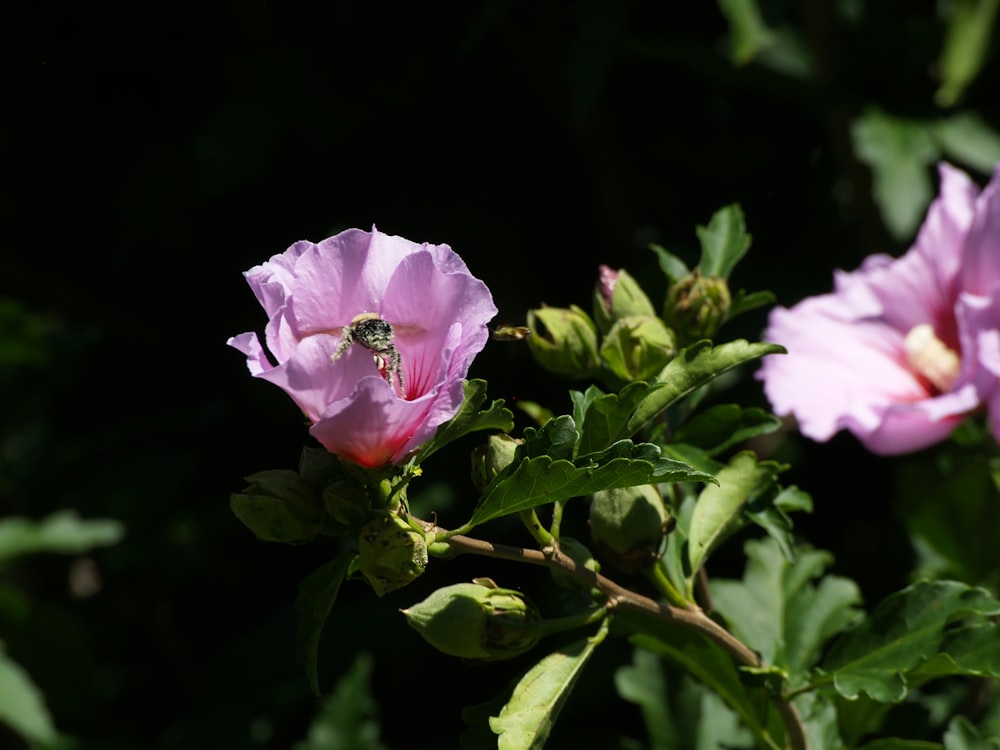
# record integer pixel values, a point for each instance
(535, 527)
(557, 509)
(619, 596)
(571, 622)
(658, 577)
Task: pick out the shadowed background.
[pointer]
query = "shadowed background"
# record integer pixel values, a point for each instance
(153, 153)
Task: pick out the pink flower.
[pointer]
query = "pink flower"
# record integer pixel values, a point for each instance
(361, 406)
(903, 350)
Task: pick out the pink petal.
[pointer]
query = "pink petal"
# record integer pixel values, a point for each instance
(981, 264)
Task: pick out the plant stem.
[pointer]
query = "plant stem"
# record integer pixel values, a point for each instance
(619, 596)
(535, 527)
(658, 577)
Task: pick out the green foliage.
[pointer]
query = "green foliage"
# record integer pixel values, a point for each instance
(317, 595)
(787, 612)
(905, 630)
(747, 29)
(970, 29)
(962, 735)
(63, 532)
(723, 242)
(22, 706)
(470, 418)
(347, 718)
(526, 721)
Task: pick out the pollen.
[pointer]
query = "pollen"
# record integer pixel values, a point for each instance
(930, 357)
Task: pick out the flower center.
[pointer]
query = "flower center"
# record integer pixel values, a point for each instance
(929, 357)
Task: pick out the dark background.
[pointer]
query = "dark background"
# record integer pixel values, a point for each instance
(152, 152)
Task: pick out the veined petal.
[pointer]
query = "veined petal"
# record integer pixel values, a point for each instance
(981, 264)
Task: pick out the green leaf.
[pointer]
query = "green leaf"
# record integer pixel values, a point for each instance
(723, 242)
(967, 138)
(317, 594)
(62, 532)
(898, 153)
(895, 743)
(747, 30)
(642, 682)
(557, 438)
(819, 717)
(22, 706)
(527, 719)
(770, 512)
(347, 717)
(672, 266)
(970, 28)
(720, 427)
(618, 416)
(973, 650)
(710, 665)
(469, 419)
(542, 479)
(780, 612)
(719, 510)
(907, 628)
(962, 735)
(746, 301)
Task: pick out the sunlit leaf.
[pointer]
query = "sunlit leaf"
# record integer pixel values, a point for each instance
(22, 706)
(527, 719)
(469, 419)
(63, 532)
(723, 242)
(970, 28)
(967, 138)
(747, 30)
(962, 735)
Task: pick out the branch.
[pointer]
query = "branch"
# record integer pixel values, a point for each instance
(619, 596)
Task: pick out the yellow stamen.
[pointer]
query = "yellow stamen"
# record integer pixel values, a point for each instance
(929, 356)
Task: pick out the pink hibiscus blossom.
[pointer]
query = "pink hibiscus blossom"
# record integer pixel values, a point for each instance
(371, 401)
(903, 350)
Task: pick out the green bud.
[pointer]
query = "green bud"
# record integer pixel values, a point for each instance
(628, 524)
(565, 341)
(582, 556)
(617, 295)
(697, 306)
(638, 348)
(391, 553)
(278, 506)
(476, 621)
(494, 456)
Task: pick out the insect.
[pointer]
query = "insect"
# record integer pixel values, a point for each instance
(377, 336)
(510, 333)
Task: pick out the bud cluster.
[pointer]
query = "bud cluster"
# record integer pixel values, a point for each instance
(626, 340)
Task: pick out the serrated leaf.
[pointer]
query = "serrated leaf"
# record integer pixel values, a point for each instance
(973, 650)
(907, 628)
(527, 719)
(557, 438)
(346, 718)
(722, 426)
(22, 705)
(898, 153)
(818, 714)
(719, 510)
(535, 481)
(707, 662)
(317, 594)
(723, 242)
(779, 612)
(617, 416)
(469, 419)
(64, 532)
(672, 266)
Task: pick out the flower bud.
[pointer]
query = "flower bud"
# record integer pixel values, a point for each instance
(278, 506)
(490, 459)
(565, 341)
(637, 348)
(476, 621)
(628, 524)
(346, 503)
(617, 295)
(697, 306)
(391, 553)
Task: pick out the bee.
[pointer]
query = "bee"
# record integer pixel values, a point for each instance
(510, 333)
(377, 336)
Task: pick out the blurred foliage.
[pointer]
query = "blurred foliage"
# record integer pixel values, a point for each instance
(144, 170)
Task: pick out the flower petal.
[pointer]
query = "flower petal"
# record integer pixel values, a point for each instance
(981, 264)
